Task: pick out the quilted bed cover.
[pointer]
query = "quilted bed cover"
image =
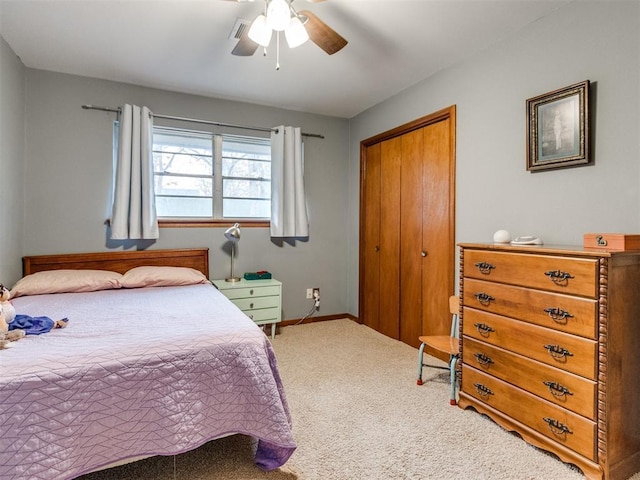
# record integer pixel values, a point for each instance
(149, 371)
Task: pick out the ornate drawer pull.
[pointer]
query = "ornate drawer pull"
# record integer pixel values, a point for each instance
(558, 315)
(483, 329)
(251, 292)
(557, 427)
(482, 390)
(557, 352)
(484, 267)
(484, 298)
(483, 359)
(559, 277)
(251, 305)
(557, 390)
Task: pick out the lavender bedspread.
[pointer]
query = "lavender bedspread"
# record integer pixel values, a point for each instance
(152, 371)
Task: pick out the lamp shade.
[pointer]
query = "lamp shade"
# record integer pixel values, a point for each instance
(233, 233)
(295, 33)
(278, 15)
(260, 32)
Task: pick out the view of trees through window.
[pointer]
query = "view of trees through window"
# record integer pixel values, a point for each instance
(203, 175)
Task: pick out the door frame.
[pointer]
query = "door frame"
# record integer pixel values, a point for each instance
(440, 115)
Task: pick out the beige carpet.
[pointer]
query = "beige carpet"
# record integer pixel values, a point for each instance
(358, 414)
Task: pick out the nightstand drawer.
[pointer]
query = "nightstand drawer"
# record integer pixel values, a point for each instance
(264, 314)
(248, 292)
(256, 302)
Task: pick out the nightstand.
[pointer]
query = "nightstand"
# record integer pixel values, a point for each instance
(260, 300)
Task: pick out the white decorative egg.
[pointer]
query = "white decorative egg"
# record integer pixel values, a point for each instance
(502, 236)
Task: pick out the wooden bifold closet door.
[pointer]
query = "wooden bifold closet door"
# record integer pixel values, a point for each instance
(407, 220)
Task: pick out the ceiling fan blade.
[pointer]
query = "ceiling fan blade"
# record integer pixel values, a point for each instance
(245, 46)
(321, 34)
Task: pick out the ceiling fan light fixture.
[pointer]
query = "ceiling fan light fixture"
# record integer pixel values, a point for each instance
(278, 15)
(295, 33)
(260, 32)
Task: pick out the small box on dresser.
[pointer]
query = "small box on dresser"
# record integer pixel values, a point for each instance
(612, 241)
(549, 340)
(260, 300)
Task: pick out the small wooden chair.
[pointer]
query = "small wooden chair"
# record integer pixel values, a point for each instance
(448, 344)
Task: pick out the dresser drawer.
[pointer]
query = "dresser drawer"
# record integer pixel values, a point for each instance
(256, 302)
(561, 425)
(247, 292)
(559, 387)
(570, 314)
(576, 276)
(539, 343)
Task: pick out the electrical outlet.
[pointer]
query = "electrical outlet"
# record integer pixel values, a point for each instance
(309, 293)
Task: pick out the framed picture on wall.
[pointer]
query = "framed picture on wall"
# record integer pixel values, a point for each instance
(558, 128)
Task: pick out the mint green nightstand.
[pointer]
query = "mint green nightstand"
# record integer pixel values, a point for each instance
(260, 300)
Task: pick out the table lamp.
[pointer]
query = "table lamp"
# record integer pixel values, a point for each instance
(233, 235)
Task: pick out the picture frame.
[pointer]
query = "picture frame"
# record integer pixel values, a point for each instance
(558, 128)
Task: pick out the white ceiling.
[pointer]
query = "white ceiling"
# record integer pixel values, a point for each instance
(184, 45)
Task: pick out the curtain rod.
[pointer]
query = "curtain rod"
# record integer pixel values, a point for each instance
(195, 120)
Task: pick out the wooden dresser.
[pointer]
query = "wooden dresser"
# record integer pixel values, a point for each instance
(549, 340)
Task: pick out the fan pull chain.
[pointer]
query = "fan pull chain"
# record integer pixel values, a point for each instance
(277, 50)
(264, 49)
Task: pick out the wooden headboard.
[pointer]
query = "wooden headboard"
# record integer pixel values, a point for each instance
(119, 261)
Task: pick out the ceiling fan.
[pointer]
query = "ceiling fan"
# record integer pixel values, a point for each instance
(298, 27)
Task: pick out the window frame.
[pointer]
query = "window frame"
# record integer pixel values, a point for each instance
(217, 194)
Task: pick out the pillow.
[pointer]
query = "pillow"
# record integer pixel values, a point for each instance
(161, 277)
(66, 281)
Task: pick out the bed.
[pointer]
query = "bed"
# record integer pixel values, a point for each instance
(157, 363)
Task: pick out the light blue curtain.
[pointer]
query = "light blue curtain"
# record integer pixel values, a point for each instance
(288, 201)
(133, 214)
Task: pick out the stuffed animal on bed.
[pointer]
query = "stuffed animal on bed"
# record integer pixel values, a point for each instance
(7, 314)
(7, 306)
(24, 324)
(6, 336)
(4, 326)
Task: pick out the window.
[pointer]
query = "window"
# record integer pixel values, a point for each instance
(205, 176)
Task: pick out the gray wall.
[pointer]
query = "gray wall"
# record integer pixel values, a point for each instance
(598, 41)
(69, 174)
(12, 101)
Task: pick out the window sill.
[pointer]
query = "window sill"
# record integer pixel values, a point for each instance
(193, 223)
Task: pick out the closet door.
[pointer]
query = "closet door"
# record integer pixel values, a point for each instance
(407, 221)
(370, 237)
(390, 234)
(381, 237)
(438, 223)
(411, 207)
(427, 226)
